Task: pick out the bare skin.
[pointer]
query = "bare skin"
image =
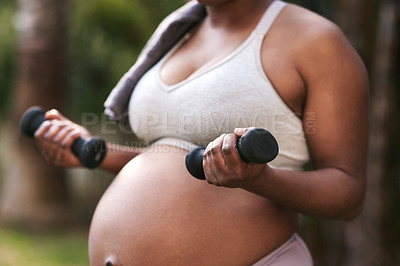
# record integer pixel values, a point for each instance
(154, 213)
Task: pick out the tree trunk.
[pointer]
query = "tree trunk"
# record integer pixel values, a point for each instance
(34, 193)
(364, 236)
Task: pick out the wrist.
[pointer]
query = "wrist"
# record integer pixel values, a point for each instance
(260, 180)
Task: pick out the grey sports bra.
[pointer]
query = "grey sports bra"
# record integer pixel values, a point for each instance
(234, 92)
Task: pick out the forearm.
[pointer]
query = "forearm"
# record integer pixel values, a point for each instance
(118, 156)
(328, 193)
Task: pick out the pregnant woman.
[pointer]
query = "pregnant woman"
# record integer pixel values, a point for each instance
(247, 63)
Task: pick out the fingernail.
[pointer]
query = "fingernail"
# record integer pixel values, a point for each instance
(240, 130)
(52, 112)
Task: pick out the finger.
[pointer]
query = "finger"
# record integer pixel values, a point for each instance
(213, 150)
(208, 166)
(240, 131)
(43, 130)
(215, 161)
(64, 154)
(69, 139)
(230, 153)
(54, 114)
(218, 157)
(50, 144)
(209, 171)
(58, 140)
(61, 134)
(40, 132)
(209, 146)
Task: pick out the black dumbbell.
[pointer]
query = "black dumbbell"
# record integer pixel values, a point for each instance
(90, 152)
(256, 146)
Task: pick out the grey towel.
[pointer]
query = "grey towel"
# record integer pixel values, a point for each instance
(168, 33)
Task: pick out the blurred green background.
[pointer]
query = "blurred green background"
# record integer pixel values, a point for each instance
(70, 54)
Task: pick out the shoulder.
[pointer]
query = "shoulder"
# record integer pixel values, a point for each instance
(307, 37)
(309, 28)
(318, 43)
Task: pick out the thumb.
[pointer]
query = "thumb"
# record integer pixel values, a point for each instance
(54, 114)
(240, 131)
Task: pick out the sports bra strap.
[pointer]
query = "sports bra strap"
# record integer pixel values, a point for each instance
(269, 16)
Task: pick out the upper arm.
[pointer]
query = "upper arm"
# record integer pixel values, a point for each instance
(337, 99)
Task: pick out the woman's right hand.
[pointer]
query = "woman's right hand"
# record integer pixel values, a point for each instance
(55, 137)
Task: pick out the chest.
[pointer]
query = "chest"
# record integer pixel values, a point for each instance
(197, 56)
(234, 92)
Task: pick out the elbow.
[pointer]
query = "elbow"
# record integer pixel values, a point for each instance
(352, 213)
(349, 209)
(347, 213)
(352, 203)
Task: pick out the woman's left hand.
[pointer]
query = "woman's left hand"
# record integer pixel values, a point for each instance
(222, 163)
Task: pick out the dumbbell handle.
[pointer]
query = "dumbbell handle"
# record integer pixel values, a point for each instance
(90, 152)
(256, 146)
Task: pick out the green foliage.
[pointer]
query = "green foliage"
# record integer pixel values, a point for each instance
(106, 37)
(7, 53)
(44, 249)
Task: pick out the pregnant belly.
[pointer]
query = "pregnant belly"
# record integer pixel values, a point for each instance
(155, 213)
